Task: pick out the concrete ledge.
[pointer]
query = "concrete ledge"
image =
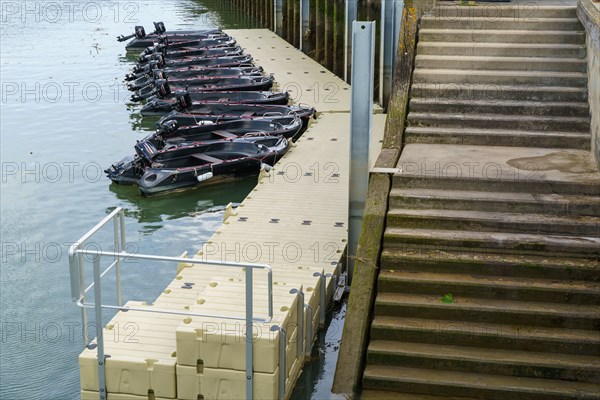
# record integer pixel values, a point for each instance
(589, 14)
(355, 336)
(358, 315)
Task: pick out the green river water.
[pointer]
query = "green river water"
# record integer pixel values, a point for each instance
(65, 116)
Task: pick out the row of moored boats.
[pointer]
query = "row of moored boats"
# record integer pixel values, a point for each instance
(220, 121)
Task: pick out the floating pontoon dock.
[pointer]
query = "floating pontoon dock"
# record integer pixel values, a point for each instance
(295, 221)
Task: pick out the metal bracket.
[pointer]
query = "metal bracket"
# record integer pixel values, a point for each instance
(282, 359)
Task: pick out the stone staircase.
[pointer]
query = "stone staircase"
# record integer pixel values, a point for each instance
(489, 284)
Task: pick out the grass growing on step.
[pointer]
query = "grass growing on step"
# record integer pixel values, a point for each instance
(448, 298)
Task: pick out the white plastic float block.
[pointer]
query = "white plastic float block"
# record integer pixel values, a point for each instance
(142, 351)
(221, 384)
(193, 382)
(220, 343)
(191, 282)
(89, 395)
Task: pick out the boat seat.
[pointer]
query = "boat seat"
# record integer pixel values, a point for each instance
(225, 134)
(206, 157)
(247, 114)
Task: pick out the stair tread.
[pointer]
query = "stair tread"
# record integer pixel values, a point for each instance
(497, 19)
(508, 331)
(482, 304)
(502, 45)
(501, 31)
(500, 237)
(494, 216)
(421, 161)
(487, 355)
(504, 259)
(496, 117)
(499, 88)
(483, 381)
(491, 281)
(536, 59)
(498, 102)
(501, 72)
(369, 394)
(491, 131)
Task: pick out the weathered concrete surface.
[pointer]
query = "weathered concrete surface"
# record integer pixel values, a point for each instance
(358, 316)
(488, 284)
(589, 14)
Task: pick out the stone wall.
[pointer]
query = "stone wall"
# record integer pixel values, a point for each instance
(589, 14)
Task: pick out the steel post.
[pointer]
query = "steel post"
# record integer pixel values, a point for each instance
(361, 119)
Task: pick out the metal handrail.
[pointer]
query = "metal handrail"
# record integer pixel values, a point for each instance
(78, 293)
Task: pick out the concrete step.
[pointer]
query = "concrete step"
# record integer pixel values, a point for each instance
(487, 221)
(489, 287)
(369, 394)
(428, 306)
(461, 34)
(501, 63)
(482, 386)
(485, 263)
(495, 92)
(492, 11)
(552, 204)
(493, 336)
(578, 368)
(534, 24)
(498, 169)
(499, 106)
(512, 243)
(506, 121)
(497, 137)
(554, 50)
(532, 79)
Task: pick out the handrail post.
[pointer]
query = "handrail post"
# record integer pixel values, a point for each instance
(249, 335)
(117, 244)
(309, 318)
(282, 359)
(99, 330)
(323, 303)
(300, 343)
(84, 318)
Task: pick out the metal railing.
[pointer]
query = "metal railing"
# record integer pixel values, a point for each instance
(79, 292)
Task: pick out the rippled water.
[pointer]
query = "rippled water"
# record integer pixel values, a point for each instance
(64, 118)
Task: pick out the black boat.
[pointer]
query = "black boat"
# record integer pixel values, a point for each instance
(202, 165)
(153, 66)
(172, 101)
(142, 40)
(164, 46)
(192, 54)
(224, 61)
(130, 169)
(244, 83)
(217, 112)
(177, 75)
(170, 133)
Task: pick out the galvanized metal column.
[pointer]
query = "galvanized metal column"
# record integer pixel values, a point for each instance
(350, 16)
(99, 329)
(361, 118)
(304, 20)
(278, 16)
(249, 334)
(391, 20)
